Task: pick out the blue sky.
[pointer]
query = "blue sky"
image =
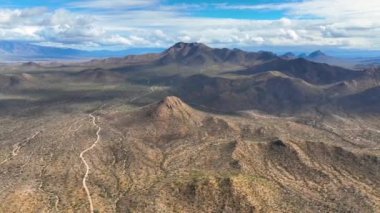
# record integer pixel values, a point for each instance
(200, 9)
(120, 24)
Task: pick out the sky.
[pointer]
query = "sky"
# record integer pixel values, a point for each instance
(123, 24)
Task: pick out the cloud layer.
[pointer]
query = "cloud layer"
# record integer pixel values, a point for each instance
(149, 23)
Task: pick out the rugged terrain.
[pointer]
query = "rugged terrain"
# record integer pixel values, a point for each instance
(191, 129)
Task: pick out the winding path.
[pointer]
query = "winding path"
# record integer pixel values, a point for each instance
(151, 90)
(18, 146)
(86, 164)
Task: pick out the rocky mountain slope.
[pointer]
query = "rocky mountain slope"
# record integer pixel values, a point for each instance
(311, 72)
(170, 157)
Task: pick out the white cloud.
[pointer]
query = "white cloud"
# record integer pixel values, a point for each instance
(9, 17)
(66, 27)
(134, 23)
(42, 25)
(348, 23)
(337, 9)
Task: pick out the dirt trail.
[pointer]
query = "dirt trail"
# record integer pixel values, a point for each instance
(18, 146)
(56, 203)
(151, 90)
(86, 164)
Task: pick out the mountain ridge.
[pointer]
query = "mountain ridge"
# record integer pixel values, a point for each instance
(192, 54)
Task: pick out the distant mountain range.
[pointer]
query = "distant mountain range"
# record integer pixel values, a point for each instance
(262, 80)
(22, 51)
(228, 79)
(200, 53)
(321, 57)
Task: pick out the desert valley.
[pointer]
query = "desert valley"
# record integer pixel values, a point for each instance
(190, 129)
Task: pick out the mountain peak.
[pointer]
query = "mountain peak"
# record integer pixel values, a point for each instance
(183, 45)
(30, 63)
(198, 54)
(187, 53)
(173, 108)
(289, 55)
(184, 48)
(317, 53)
(172, 102)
